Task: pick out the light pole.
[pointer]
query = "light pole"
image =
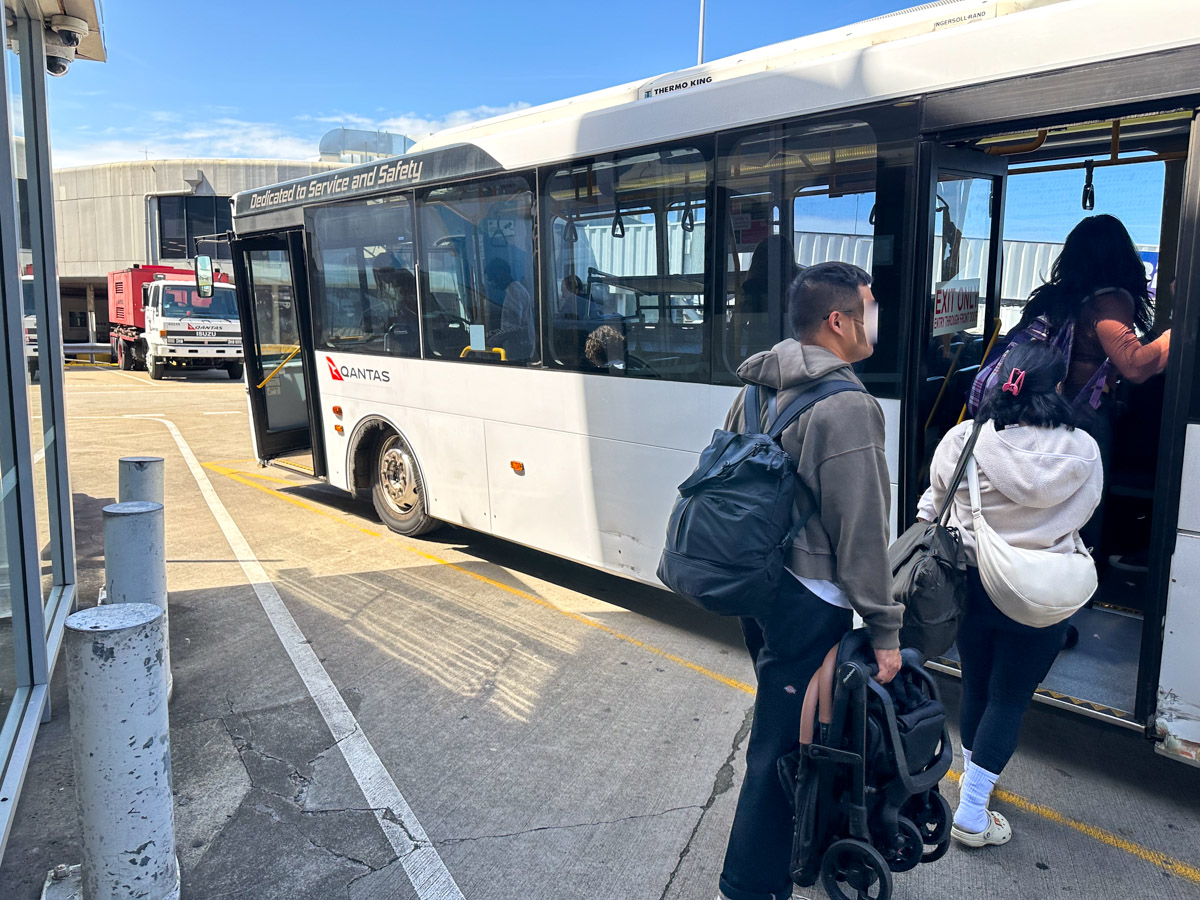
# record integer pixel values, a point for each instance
(700, 50)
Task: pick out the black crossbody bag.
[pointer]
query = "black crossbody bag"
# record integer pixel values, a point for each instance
(929, 573)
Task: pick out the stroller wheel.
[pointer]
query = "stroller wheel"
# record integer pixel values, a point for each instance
(909, 849)
(853, 870)
(931, 813)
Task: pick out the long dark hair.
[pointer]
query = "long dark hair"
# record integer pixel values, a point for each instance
(1038, 401)
(1098, 253)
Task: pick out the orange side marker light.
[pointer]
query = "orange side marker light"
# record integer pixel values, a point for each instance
(518, 467)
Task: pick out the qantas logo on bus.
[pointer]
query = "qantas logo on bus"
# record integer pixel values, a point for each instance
(341, 373)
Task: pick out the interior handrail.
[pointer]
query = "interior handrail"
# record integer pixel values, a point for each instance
(275, 371)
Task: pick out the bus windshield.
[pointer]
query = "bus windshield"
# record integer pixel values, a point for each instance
(183, 301)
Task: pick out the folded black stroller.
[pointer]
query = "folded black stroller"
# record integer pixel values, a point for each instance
(864, 781)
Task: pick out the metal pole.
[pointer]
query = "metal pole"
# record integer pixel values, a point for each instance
(700, 51)
(120, 741)
(140, 478)
(135, 561)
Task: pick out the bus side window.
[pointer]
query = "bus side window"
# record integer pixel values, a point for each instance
(480, 304)
(365, 292)
(794, 197)
(627, 275)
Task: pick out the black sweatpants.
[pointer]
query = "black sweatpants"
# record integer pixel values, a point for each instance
(787, 647)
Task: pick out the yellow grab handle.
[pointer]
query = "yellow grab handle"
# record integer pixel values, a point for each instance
(499, 351)
(275, 371)
(986, 353)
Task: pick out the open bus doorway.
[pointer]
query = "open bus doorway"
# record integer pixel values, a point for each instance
(1133, 169)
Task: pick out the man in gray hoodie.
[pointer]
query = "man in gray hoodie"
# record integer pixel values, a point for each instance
(839, 560)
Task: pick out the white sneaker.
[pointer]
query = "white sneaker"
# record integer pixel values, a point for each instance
(997, 832)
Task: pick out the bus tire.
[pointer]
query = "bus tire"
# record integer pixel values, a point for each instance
(235, 371)
(154, 366)
(397, 491)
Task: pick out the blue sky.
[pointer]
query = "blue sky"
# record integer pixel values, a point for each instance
(266, 79)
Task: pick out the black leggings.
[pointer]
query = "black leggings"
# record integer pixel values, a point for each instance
(1003, 662)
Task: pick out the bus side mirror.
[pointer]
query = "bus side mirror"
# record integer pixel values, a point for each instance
(204, 276)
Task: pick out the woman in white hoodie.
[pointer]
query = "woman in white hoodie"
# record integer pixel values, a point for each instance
(1040, 481)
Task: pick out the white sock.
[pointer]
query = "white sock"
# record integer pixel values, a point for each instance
(966, 758)
(977, 784)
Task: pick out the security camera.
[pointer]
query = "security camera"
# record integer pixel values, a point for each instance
(59, 55)
(70, 29)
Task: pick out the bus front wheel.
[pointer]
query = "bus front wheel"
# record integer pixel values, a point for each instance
(397, 490)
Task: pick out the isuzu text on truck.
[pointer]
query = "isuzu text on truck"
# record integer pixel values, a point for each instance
(159, 320)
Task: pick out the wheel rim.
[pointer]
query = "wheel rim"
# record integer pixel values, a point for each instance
(397, 478)
(858, 867)
(909, 848)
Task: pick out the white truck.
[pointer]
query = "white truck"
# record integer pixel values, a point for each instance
(158, 320)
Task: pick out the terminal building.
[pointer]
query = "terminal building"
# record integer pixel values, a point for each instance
(151, 212)
(116, 215)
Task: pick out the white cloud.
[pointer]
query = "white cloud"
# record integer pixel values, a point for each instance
(223, 136)
(414, 124)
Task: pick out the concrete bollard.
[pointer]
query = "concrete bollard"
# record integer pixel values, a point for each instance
(120, 743)
(135, 562)
(140, 478)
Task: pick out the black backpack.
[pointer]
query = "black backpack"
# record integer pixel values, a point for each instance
(731, 529)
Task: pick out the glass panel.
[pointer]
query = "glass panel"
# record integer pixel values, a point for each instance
(365, 290)
(220, 249)
(958, 334)
(478, 247)
(278, 338)
(172, 228)
(33, 326)
(201, 220)
(9, 593)
(628, 265)
(795, 197)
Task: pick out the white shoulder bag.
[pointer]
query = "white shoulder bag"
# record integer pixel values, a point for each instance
(1034, 587)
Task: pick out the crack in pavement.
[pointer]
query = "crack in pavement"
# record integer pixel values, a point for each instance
(485, 837)
(722, 782)
(274, 816)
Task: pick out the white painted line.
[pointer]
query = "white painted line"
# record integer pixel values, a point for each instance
(76, 393)
(422, 864)
(135, 378)
(39, 456)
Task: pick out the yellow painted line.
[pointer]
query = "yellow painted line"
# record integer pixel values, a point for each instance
(574, 616)
(1154, 857)
(263, 476)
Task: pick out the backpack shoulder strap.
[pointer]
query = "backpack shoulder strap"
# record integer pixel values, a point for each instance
(817, 392)
(754, 408)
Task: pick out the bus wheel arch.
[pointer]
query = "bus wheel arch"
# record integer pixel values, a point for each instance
(384, 465)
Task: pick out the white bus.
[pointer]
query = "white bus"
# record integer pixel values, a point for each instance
(531, 325)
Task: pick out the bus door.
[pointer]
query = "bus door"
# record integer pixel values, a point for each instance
(272, 291)
(958, 296)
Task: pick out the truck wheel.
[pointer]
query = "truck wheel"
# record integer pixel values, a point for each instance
(124, 356)
(235, 371)
(154, 366)
(397, 490)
